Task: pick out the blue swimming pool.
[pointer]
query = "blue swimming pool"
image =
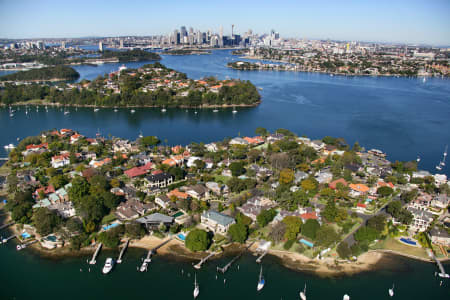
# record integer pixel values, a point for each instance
(307, 243)
(408, 241)
(181, 236)
(108, 227)
(25, 235)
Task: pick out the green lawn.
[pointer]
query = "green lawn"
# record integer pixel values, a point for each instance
(395, 245)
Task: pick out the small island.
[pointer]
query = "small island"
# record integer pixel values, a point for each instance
(57, 73)
(320, 205)
(186, 52)
(152, 85)
(130, 55)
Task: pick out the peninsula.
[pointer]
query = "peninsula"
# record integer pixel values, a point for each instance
(315, 202)
(57, 73)
(152, 85)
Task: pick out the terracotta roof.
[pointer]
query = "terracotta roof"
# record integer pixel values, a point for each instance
(333, 184)
(359, 187)
(177, 194)
(306, 216)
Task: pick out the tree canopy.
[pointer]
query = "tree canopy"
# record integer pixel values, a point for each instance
(197, 240)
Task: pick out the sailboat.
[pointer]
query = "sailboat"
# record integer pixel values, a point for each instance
(391, 291)
(442, 162)
(215, 110)
(303, 293)
(346, 297)
(261, 281)
(234, 110)
(95, 107)
(196, 287)
(418, 159)
(140, 135)
(163, 110)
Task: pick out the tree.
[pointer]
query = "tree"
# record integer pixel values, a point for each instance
(330, 211)
(384, 191)
(265, 217)
(286, 176)
(74, 225)
(237, 168)
(149, 141)
(277, 232)
(261, 131)
(58, 181)
(326, 235)
(366, 234)
(197, 240)
(292, 227)
(80, 188)
(394, 208)
(309, 184)
(45, 221)
(309, 229)
(238, 232)
(343, 250)
(377, 222)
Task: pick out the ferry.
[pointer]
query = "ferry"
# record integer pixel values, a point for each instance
(303, 293)
(391, 291)
(261, 281)
(9, 147)
(196, 288)
(109, 264)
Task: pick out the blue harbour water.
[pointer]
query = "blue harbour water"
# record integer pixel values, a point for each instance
(404, 117)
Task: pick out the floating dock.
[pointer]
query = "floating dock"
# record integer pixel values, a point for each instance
(203, 260)
(119, 260)
(97, 251)
(259, 259)
(225, 268)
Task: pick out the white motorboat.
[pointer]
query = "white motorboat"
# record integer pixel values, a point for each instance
(96, 109)
(141, 135)
(303, 293)
(144, 265)
(234, 111)
(196, 287)
(115, 110)
(346, 297)
(66, 112)
(391, 291)
(261, 281)
(9, 147)
(109, 264)
(11, 115)
(216, 110)
(418, 159)
(163, 110)
(132, 111)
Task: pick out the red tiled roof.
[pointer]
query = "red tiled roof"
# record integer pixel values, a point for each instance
(306, 216)
(333, 184)
(137, 171)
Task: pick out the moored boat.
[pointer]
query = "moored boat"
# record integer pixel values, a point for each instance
(109, 264)
(261, 281)
(391, 291)
(196, 288)
(303, 293)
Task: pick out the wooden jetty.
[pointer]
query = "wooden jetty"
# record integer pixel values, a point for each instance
(259, 259)
(6, 225)
(225, 268)
(5, 240)
(97, 251)
(439, 264)
(203, 260)
(23, 246)
(151, 252)
(119, 260)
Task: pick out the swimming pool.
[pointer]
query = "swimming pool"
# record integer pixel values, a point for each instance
(307, 243)
(408, 241)
(25, 235)
(181, 236)
(108, 227)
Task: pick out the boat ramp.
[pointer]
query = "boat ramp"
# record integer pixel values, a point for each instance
(97, 251)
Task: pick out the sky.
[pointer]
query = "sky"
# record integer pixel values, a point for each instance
(405, 21)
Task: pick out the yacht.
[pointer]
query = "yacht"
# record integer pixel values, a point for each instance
(418, 159)
(115, 109)
(215, 110)
(234, 110)
(109, 264)
(132, 111)
(9, 147)
(163, 110)
(261, 281)
(67, 112)
(346, 297)
(11, 114)
(303, 293)
(96, 109)
(391, 291)
(141, 135)
(196, 288)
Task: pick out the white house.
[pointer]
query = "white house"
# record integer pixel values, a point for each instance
(216, 222)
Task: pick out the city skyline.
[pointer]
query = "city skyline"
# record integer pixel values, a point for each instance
(410, 22)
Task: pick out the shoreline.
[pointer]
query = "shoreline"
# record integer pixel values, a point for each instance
(45, 103)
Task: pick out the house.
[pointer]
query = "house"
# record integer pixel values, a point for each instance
(197, 191)
(133, 208)
(61, 160)
(191, 161)
(333, 184)
(216, 188)
(216, 222)
(324, 177)
(160, 180)
(64, 209)
(309, 215)
(138, 171)
(361, 207)
(211, 147)
(122, 146)
(422, 202)
(170, 162)
(178, 194)
(257, 140)
(238, 141)
(100, 163)
(75, 138)
(153, 221)
(421, 174)
(422, 219)
(358, 189)
(299, 176)
(255, 205)
(163, 201)
(440, 237)
(317, 145)
(440, 201)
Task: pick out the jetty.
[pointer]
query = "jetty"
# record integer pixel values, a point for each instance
(6, 225)
(439, 264)
(151, 252)
(203, 260)
(23, 246)
(225, 268)
(97, 251)
(259, 259)
(160, 245)
(5, 240)
(119, 260)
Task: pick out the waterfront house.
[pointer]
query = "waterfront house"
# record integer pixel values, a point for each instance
(61, 160)
(153, 221)
(422, 219)
(163, 201)
(440, 201)
(440, 236)
(216, 222)
(133, 208)
(238, 141)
